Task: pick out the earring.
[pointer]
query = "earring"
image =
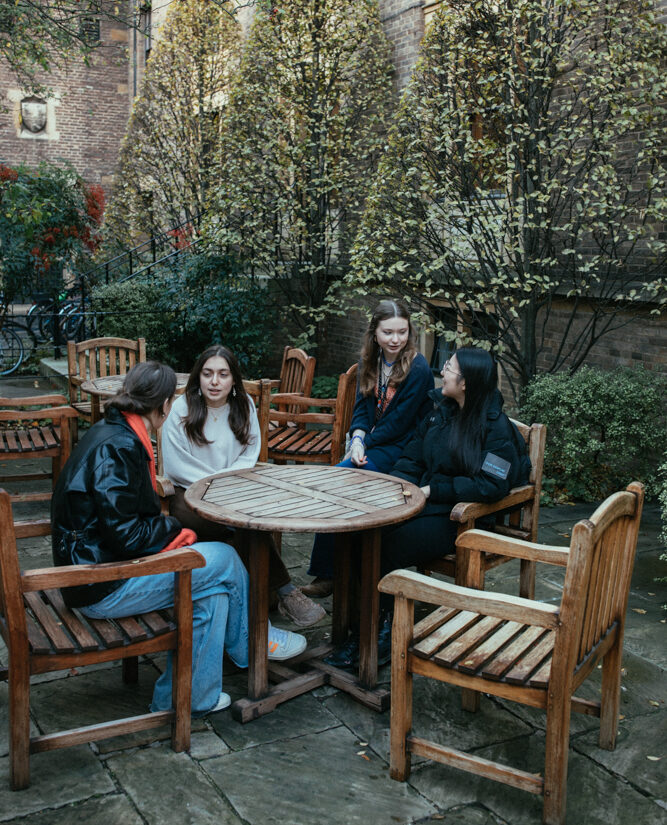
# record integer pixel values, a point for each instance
(199, 391)
(234, 391)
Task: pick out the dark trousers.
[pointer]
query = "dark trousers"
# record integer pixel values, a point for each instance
(415, 543)
(211, 531)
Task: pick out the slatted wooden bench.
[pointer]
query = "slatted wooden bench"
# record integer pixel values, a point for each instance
(34, 428)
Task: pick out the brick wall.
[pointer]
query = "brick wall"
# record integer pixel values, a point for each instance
(403, 23)
(87, 116)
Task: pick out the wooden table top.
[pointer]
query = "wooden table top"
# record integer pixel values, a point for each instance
(304, 499)
(111, 384)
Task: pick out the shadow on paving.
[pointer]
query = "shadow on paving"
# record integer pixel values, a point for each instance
(322, 758)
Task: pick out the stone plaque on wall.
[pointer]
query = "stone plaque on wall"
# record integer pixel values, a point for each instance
(33, 114)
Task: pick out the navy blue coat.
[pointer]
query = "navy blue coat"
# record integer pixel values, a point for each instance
(427, 459)
(385, 440)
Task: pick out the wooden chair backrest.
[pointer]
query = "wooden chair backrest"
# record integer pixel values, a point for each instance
(100, 357)
(597, 579)
(347, 390)
(535, 436)
(34, 407)
(260, 392)
(297, 371)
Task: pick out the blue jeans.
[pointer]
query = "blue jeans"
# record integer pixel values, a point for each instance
(322, 555)
(220, 619)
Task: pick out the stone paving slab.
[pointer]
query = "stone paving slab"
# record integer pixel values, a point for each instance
(594, 795)
(169, 788)
(58, 779)
(324, 777)
(642, 766)
(109, 810)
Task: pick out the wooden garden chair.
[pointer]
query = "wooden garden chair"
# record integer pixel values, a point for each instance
(43, 635)
(316, 432)
(514, 648)
(98, 358)
(35, 427)
(516, 516)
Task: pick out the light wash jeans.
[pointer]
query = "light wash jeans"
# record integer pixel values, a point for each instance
(219, 622)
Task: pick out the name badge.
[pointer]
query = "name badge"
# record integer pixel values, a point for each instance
(496, 466)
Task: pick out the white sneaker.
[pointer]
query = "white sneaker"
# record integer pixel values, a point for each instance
(283, 644)
(224, 701)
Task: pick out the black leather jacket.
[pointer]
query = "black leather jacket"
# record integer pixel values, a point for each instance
(104, 507)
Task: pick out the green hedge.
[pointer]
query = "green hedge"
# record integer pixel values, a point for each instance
(181, 313)
(604, 429)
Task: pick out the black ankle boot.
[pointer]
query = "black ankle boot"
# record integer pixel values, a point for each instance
(384, 638)
(347, 655)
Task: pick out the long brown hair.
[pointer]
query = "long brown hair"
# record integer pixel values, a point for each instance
(239, 403)
(370, 350)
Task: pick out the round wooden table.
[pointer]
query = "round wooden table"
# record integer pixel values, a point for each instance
(108, 385)
(305, 499)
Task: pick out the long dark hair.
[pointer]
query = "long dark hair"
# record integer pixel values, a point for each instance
(479, 371)
(146, 388)
(239, 403)
(370, 349)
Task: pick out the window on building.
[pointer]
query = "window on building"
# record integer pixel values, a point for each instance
(89, 30)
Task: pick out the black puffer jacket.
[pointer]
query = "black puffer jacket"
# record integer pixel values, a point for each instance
(427, 459)
(104, 507)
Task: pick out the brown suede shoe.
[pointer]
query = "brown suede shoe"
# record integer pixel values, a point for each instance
(318, 588)
(300, 609)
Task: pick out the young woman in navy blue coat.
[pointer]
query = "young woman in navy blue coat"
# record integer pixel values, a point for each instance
(392, 397)
(465, 449)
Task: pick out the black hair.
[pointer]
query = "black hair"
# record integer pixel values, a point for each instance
(146, 388)
(478, 369)
(239, 402)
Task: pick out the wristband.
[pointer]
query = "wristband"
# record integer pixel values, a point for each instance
(354, 437)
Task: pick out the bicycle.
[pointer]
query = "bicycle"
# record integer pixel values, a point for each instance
(12, 351)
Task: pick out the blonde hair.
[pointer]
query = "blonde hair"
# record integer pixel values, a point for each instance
(370, 350)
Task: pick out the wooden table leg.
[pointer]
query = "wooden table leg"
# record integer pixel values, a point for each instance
(258, 614)
(369, 608)
(340, 621)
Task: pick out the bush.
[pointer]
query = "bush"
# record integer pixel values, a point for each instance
(181, 313)
(604, 429)
(325, 386)
(133, 309)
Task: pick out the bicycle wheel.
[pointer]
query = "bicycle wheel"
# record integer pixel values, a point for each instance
(11, 351)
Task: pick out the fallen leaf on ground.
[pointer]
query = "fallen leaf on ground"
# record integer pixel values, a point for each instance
(638, 610)
(654, 758)
(654, 703)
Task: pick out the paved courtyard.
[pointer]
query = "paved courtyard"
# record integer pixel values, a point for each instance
(322, 758)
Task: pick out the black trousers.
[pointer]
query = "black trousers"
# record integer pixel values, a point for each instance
(414, 543)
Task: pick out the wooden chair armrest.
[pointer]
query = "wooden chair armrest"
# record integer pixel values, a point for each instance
(274, 383)
(34, 400)
(470, 510)
(56, 413)
(488, 542)
(172, 561)
(165, 489)
(409, 585)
